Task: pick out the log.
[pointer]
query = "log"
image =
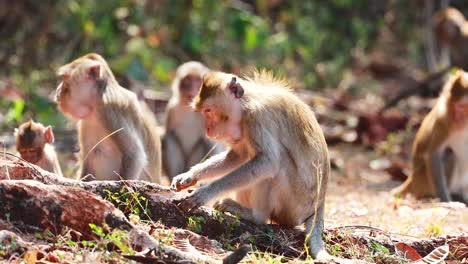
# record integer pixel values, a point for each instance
(16, 176)
(210, 223)
(54, 208)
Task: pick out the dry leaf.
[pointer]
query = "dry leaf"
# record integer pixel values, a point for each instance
(407, 251)
(30, 257)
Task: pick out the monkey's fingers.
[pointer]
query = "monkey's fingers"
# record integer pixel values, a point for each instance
(182, 184)
(187, 204)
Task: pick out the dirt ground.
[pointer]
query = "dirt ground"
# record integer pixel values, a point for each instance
(359, 195)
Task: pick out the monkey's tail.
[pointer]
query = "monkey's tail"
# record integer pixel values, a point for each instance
(237, 256)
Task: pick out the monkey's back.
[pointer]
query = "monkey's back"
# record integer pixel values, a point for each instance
(153, 148)
(420, 183)
(304, 159)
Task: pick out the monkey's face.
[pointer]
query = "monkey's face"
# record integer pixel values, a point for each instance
(30, 146)
(460, 111)
(77, 97)
(222, 121)
(32, 154)
(189, 87)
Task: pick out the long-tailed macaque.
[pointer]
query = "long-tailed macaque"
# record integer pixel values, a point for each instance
(277, 161)
(117, 137)
(451, 29)
(440, 150)
(184, 144)
(34, 144)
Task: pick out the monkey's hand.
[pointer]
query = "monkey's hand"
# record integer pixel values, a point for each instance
(183, 181)
(194, 200)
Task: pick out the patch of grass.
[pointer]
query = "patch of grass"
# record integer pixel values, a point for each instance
(116, 237)
(129, 202)
(195, 223)
(434, 228)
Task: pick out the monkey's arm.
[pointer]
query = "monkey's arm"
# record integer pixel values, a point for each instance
(215, 166)
(259, 168)
(439, 176)
(130, 144)
(169, 122)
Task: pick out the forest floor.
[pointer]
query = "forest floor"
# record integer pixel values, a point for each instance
(360, 195)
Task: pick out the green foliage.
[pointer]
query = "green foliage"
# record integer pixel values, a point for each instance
(195, 223)
(117, 237)
(311, 42)
(129, 202)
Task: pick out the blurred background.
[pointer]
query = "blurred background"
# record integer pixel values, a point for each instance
(316, 44)
(370, 69)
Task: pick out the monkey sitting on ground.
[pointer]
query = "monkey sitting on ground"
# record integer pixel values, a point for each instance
(34, 144)
(117, 137)
(184, 144)
(440, 150)
(277, 161)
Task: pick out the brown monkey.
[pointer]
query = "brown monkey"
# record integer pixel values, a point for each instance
(451, 29)
(117, 137)
(440, 150)
(277, 161)
(184, 143)
(34, 144)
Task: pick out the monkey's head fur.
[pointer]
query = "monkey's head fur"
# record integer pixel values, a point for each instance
(31, 138)
(83, 83)
(220, 101)
(187, 82)
(455, 94)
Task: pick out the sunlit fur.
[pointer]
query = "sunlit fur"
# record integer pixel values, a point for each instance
(278, 165)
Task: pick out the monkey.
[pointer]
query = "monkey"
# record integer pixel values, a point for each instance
(34, 144)
(277, 160)
(440, 154)
(451, 30)
(184, 143)
(117, 137)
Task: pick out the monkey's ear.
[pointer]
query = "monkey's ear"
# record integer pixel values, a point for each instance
(460, 86)
(94, 72)
(49, 135)
(235, 88)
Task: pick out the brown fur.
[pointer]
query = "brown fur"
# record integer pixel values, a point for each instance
(278, 165)
(33, 146)
(435, 136)
(132, 153)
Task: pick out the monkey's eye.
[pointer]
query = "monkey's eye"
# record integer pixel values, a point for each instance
(207, 110)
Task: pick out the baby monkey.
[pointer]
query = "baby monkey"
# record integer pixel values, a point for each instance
(277, 160)
(34, 144)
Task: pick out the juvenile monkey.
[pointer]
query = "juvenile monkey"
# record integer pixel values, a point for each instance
(116, 136)
(34, 144)
(440, 150)
(277, 161)
(184, 143)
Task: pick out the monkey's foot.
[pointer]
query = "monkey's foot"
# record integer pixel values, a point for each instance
(400, 190)
(234, 208)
